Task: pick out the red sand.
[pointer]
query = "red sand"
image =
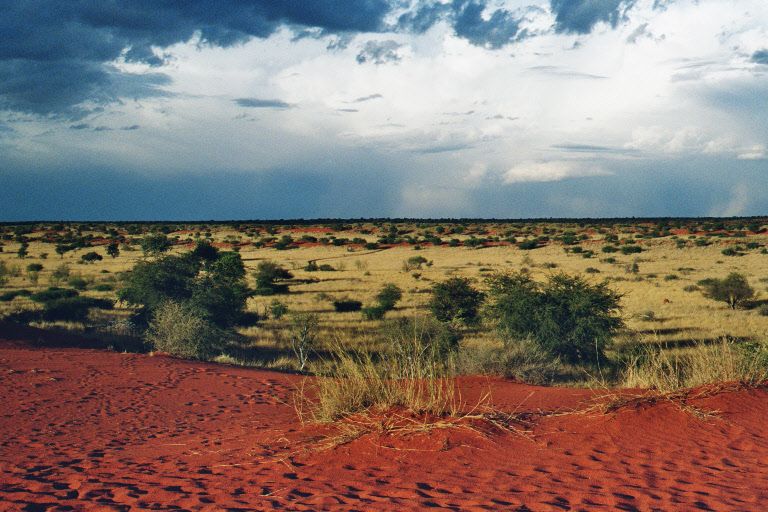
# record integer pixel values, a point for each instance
(85, 429)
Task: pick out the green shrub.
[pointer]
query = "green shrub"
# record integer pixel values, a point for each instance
(72, 309)
(9, 296)
(567, 316)
(269, 276)
(34, 267)
(103, 287)
(388, 296)
(78, 283)
(374, 312)
(181, 330)
(155, 244)
(347, 305)
(53, 294)
(91, 257)
(217, 288)
(455, 299)
(631, 249)
(277, 309)
(528, 245)
(59, 274)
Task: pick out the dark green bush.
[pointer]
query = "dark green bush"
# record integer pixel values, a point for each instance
(278, 309)
(91, 257)
(155, 244)
(374, 312)
(72, 309)
(9, 296)
(268, 277)
(388, 296)
(215, 288)
(631, 249)
(566, 316)
(528, 245)
(78, 283)
(455, 299)
(53, 293)
(347, 305)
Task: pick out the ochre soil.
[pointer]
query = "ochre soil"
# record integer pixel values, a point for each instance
(86, 429)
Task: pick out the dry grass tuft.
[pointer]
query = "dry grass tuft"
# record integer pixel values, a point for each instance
(725, 361)
(358, 383)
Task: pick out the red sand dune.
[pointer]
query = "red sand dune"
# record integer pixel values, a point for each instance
(83, 429)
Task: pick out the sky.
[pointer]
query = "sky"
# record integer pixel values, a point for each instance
(234, 109)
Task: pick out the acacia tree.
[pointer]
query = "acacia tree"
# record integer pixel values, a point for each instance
(268, 277)
(113, 249)
(155, 244)
(734, 289)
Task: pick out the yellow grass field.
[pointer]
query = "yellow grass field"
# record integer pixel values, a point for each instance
(656, 307)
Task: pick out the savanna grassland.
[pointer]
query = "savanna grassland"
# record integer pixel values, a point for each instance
(656, 266)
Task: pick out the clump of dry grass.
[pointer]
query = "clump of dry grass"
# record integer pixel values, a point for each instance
(357, 382)
(724, 361)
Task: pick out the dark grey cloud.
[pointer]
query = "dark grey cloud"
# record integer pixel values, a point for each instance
(261, 103)
(379, 52)
(581, 16)
(496, 29)
(760, 57)
(500, 29)
(130, 128)
(347, 110)
(55, 56)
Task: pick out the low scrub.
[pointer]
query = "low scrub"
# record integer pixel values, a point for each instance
(181, 330)
(9, 296)
(72, 309)
(53, 294)
(414, 375)
(522, 361)
(725, 361)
